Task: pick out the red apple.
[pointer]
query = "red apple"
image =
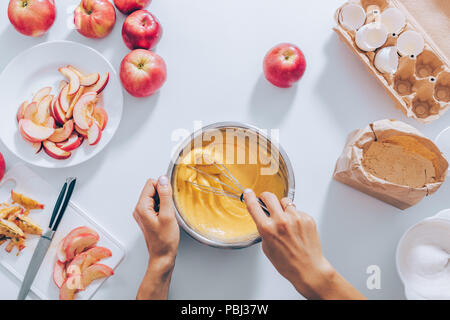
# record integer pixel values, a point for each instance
(128, 6)
(95, 18)
(142, 72)
(2, 167)
(32, 17)
(73, 142)
(141, 30)
(53, 151)
(59, 273)
(284, 65)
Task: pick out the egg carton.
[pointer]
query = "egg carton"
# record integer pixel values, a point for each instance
(419, 84)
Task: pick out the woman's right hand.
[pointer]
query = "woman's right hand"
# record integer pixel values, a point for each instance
(291, 242)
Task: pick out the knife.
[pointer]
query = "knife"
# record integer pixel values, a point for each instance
(46, 238)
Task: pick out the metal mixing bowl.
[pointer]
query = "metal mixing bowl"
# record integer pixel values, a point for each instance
(285, 166)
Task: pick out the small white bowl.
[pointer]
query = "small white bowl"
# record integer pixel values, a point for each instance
(441, 217)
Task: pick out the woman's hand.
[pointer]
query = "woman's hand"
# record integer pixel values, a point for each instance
(291, 242)
(155, 216)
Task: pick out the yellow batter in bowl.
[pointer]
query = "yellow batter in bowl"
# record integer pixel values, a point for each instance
(249, 161)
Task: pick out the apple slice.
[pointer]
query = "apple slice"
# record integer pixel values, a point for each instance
(94, 134)
(64, 99)
(62, 134)
(41, 94)
(66, 292)
(100, 85)
(42, 113)
(78, 72)
(34, 132)
(62, 84)
(72, 143)
(30, 111)
(90, 79)
(80, 243)
(59, 273)
(49, 123)
(84, 260)
(77, 97)
(82, 112)
(101, 117)
(53, 151)
(94, 272)
(81, 132)
(58, 113)
(74, 80)
(21, 111)
(37, 147)
(64, 244)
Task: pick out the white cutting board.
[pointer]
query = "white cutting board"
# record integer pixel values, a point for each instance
(30, 184)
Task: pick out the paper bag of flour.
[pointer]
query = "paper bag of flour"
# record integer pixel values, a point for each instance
(393, 162)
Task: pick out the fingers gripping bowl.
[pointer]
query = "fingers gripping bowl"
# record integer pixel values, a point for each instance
(251, 157)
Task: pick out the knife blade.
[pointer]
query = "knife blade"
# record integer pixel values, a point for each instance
(46, 238)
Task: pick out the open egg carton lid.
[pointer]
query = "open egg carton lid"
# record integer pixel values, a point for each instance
(404, 43)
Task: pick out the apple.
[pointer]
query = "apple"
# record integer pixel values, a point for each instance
(100, 85)
(64, 244)
(43, 113)
(32, 17)
(284, 65)
(74, 80)
(142, 72)
(33, 132)
(62, 134)
(59, 273)
(58, 113)
(141, 30)
(64, 99)
(90, 79)
(101, 117)
(21, 111)
(80, 243)
(2, 166)
(53, 151)
(94, 134)
(37, 147)
(67, 292)
(128, 6)
(73, 142)
(74, 101)
(30, 111)
(49, 123)
(82, 112)
(86, 259)
(95, 18)
(41, 94)
(81, 132)
(94, 272)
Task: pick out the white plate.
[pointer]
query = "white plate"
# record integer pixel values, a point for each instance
(37, 67)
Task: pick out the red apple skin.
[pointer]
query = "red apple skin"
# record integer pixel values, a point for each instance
(142, 73)
(95, 18)
(284, 65)
(141, 30)
(32, 17)
(2, 166)
(128, 6)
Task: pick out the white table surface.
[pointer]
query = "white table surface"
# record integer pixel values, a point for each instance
(214, 52)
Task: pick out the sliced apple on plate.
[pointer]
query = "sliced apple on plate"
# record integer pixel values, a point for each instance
(58, 113)
(84, 260)
(80, 243)
(100, 85)
(43, 113)
(94, 134)
(59, 273)
(90, 79)
(53, 151)
(64, 244)
(21, 111)
(73, 78)
(67, 291)
(101, 117)
(64, 98)
(62, 134)
(30, 111)
(33, 132)
(82, 112)
(70, 144)
(95, 272)
(41, 94)
(37, 146)
(69, 112)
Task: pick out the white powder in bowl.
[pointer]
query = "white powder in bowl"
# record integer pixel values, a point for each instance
(424, 259)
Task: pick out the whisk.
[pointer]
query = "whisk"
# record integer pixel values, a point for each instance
(234, 190)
